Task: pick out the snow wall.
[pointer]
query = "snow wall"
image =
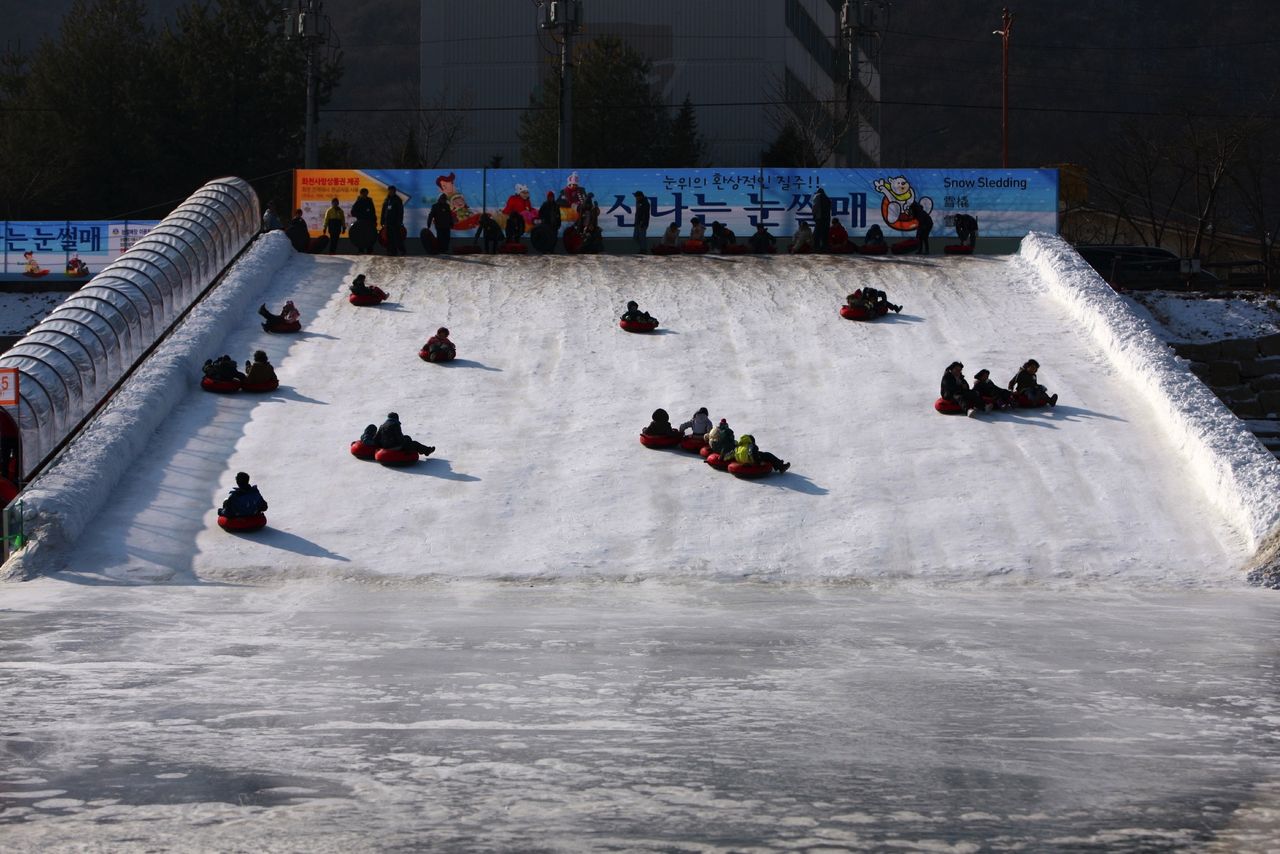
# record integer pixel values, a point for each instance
(71, 360)
(1238, 474)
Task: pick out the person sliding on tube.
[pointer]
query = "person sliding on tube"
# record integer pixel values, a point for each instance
(360, 289)
(966, 229)
(871, 301)
(259, 371)
(748, 454)
(288, 314)
(222, 369)
(762, 242)
(698, 425)
(660, 425)
(244, 500)
(874, 236)
(633, 314)
(721, 439)
(439, 346)
(391, 437)
(1027, 384)
(955, 388)
(992, 395)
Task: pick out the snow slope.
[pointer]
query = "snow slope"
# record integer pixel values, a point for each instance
(539, 474)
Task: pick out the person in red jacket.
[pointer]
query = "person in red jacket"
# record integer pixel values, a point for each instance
(439, 346)
(839, 238)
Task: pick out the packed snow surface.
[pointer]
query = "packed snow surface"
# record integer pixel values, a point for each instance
(1197, 318)
(539, 473)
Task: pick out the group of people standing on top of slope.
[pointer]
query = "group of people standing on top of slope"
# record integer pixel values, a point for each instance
(984, 396)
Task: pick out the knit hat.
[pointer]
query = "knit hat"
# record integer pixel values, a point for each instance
(701, 411)
(442, 332)
(391, 416)
(724, 423)
(633, 305)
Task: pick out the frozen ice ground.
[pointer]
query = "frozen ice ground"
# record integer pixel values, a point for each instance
(1021, 632)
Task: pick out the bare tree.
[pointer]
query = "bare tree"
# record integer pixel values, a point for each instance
(816, 124)
(1140, 181)
(1254, 177)
(421, 138)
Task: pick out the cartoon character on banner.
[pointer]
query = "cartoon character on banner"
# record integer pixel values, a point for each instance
(464, 219)
(895, 206)
(32, 266)
(571, 196)
(519, 204)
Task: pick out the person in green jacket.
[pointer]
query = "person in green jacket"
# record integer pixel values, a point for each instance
(335, 223)
(748, 454)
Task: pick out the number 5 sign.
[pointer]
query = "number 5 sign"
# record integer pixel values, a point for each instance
(8, 386)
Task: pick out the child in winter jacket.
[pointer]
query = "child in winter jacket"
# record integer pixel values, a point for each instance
(259, 371)
(660, 425)
(748, 454)
(1026, 384)
(721, 439)
(699, 424)
(244, 500)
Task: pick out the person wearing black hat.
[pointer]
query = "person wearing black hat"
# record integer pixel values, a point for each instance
(721, 439)
(660, 425)
(721, 236)
(699, 424)
(633, 314)
(762, 241)
(391, 437)
(439, 347)
(244, 500)
(955, 388)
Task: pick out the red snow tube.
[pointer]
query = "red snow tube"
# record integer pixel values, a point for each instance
(801, 250)
(843, 249)
(572, 241)
(513, 249)
(694, 247)
(447, 356)
(664, 249)
(219, 386)
(659, 441)
(638, 325)
(363, 451)
(958, 249)
(749, 470)
(8, 491)
(849, 312)
(694, 443)
(466, 249)
(374, 298)
(735, 249)
(1022, 400)
(717, 462)
(902, 247)
(948, 407)
(242, 523)
(705, 451)
(270, 385)
(873, 249)
(396, 457)
(37, 274)
(284, 326)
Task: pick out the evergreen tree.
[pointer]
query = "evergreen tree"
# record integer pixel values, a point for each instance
(789, 149)
(686, 148)
(618, 118)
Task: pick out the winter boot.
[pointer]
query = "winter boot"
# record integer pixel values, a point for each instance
(1053, 401)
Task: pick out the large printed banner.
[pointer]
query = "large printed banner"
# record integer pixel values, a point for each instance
(59, 250)
(1006, 202)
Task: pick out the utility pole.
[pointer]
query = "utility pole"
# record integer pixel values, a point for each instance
(565, 16)
(306, 22)
(849, 32)
(1006, 19)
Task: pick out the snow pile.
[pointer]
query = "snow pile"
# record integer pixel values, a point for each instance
(59, 504)
(1239, 475)
(1200, 318)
